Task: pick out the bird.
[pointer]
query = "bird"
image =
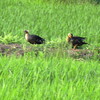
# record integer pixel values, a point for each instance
(33, 39)
(76, 41)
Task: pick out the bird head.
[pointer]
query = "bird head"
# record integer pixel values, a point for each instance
(70, 35)
(26, 31)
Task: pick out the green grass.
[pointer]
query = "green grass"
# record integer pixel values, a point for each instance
(51, 76)
(48, 78)
(50, 21)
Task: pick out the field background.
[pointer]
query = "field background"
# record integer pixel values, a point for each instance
(53, 76)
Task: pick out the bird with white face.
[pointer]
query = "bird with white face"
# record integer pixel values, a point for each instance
(33, 39)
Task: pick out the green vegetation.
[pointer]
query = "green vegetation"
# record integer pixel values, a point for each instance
(49, 76)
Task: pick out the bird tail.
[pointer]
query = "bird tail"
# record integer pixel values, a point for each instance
(43, 40)
(85, 43)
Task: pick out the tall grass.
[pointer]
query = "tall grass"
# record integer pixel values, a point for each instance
(50, 76)
(74, 1)
(50, 21)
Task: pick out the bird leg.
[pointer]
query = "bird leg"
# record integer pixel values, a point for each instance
(75, 46)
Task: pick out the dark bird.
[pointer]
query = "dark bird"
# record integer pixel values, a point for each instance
(75, 40)
(33, 39)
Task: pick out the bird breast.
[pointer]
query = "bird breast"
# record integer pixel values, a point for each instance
(27, 37)
(68, 39)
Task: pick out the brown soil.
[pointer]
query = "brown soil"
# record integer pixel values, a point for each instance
(9, 49)
(17, 49)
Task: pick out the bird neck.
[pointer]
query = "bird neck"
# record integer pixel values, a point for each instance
(68, 39)
(27, 36)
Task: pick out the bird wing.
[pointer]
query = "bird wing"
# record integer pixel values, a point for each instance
(37, 38)
(79, 38)
(76, 40)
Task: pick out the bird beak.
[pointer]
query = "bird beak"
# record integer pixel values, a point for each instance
(69, 35)
(26, 31)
